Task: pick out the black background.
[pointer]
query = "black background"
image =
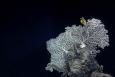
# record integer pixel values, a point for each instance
(25, 26)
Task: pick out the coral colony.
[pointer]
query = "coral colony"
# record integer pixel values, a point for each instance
(73, 52)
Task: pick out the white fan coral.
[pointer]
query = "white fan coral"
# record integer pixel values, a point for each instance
(77, 43)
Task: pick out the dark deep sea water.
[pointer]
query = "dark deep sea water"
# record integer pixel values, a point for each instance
(26, 26)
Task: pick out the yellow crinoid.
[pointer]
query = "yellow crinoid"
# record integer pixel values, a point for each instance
(83, 21)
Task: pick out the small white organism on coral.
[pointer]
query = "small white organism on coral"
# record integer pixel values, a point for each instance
(73, 51)
(82, 45)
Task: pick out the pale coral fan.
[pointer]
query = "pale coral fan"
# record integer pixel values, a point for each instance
(77, 46)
